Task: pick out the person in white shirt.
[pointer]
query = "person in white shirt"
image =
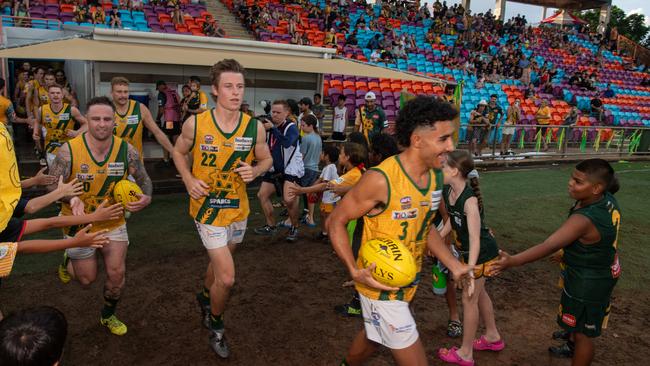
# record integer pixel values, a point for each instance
(339, 119)
(328, 158)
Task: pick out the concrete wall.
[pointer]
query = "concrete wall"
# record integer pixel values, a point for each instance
(260, 84)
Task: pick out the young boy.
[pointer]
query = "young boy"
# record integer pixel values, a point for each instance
(589, 238)
(328, 157)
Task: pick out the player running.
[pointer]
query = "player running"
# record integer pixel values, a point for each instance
(58, 120)
(131, 116)
(99, 160)
(222, 144)
(398, 199)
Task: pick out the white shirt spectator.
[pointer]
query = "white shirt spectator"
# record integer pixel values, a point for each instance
(328, 174)
(340, 119)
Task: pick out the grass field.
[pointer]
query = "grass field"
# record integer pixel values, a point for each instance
(522, 206)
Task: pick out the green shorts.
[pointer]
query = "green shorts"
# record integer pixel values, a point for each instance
(588, 318)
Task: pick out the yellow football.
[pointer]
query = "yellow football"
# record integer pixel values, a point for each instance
(395, 265)
(126, 191)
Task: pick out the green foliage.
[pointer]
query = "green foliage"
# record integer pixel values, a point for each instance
(632, 25)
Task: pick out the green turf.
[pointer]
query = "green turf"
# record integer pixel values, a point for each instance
(522, 206)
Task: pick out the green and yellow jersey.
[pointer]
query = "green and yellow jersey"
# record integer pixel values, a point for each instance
(215, 154)
(98, 178)
(129, 126)
(407, 217)
(56, 124)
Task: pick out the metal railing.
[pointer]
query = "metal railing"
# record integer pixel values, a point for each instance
(608, 140)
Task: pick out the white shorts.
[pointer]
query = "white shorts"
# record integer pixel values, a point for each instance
(389, 323)
(117, 234)
(50, 159)
(214, 237)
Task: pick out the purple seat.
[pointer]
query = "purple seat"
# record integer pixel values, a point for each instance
(388, 103)
(390, 114)
(349, 92)
(397, 95)
(360, 93)
(36, 14)
(360, 102)
(386, 94)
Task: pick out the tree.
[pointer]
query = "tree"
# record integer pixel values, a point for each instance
(632, 26)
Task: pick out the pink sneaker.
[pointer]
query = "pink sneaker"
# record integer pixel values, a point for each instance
(451, 356)
(482, 344)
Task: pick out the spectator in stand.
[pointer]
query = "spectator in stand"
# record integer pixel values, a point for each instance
(478, 122)
(543, 118)
(177, 15)
(21, 10)
(375, 56)
(339, 119)
(99, 16)
(374, 43)
(310, 148)
(609, 93)
(114, 19)
(597, 109)
(318, 108)
(570, 120)
(330, 38)
(81, 13)
(370, 119)
(530, 92)
(352, 40)
(513, 115)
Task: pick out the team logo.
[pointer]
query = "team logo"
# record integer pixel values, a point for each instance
(84, 168)
(3, 251)
(209, 148)
(569, 320)
(405, 202)
(208, 139)
(405, 214)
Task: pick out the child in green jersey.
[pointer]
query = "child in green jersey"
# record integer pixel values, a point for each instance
(589, 238)
(478, 248)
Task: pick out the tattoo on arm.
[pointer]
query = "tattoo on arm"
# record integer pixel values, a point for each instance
(137, 170)
(61, 167)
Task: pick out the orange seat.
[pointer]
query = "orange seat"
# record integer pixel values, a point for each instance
(335, 83)
(373, 85)
(164, 18)
(181, 28)
(396, 86)
(347, 84)
(69, 8)
(361, 85)
(427, 88)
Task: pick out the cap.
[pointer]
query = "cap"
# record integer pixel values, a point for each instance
(482, 102)
(370, 96)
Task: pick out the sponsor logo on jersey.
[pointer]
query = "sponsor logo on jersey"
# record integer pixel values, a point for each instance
(223, 203)
(436, 196)
(208, 139)
(84, 168)
(132, 119)
(403, 329)
(3, 251)
(48, 119)
(425, 203)
(405, 202)
(405, 214)
(569, 320)
(209, 148)
(116, 169)
(64, 116)
(243, 143)
(85, 177)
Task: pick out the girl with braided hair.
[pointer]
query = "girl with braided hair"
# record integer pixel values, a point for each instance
(478, 248)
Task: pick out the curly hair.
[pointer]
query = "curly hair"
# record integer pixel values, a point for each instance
(422, 111)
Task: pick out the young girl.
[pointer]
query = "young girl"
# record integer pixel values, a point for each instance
(328, 157)
(478, 248)
(589, 238)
